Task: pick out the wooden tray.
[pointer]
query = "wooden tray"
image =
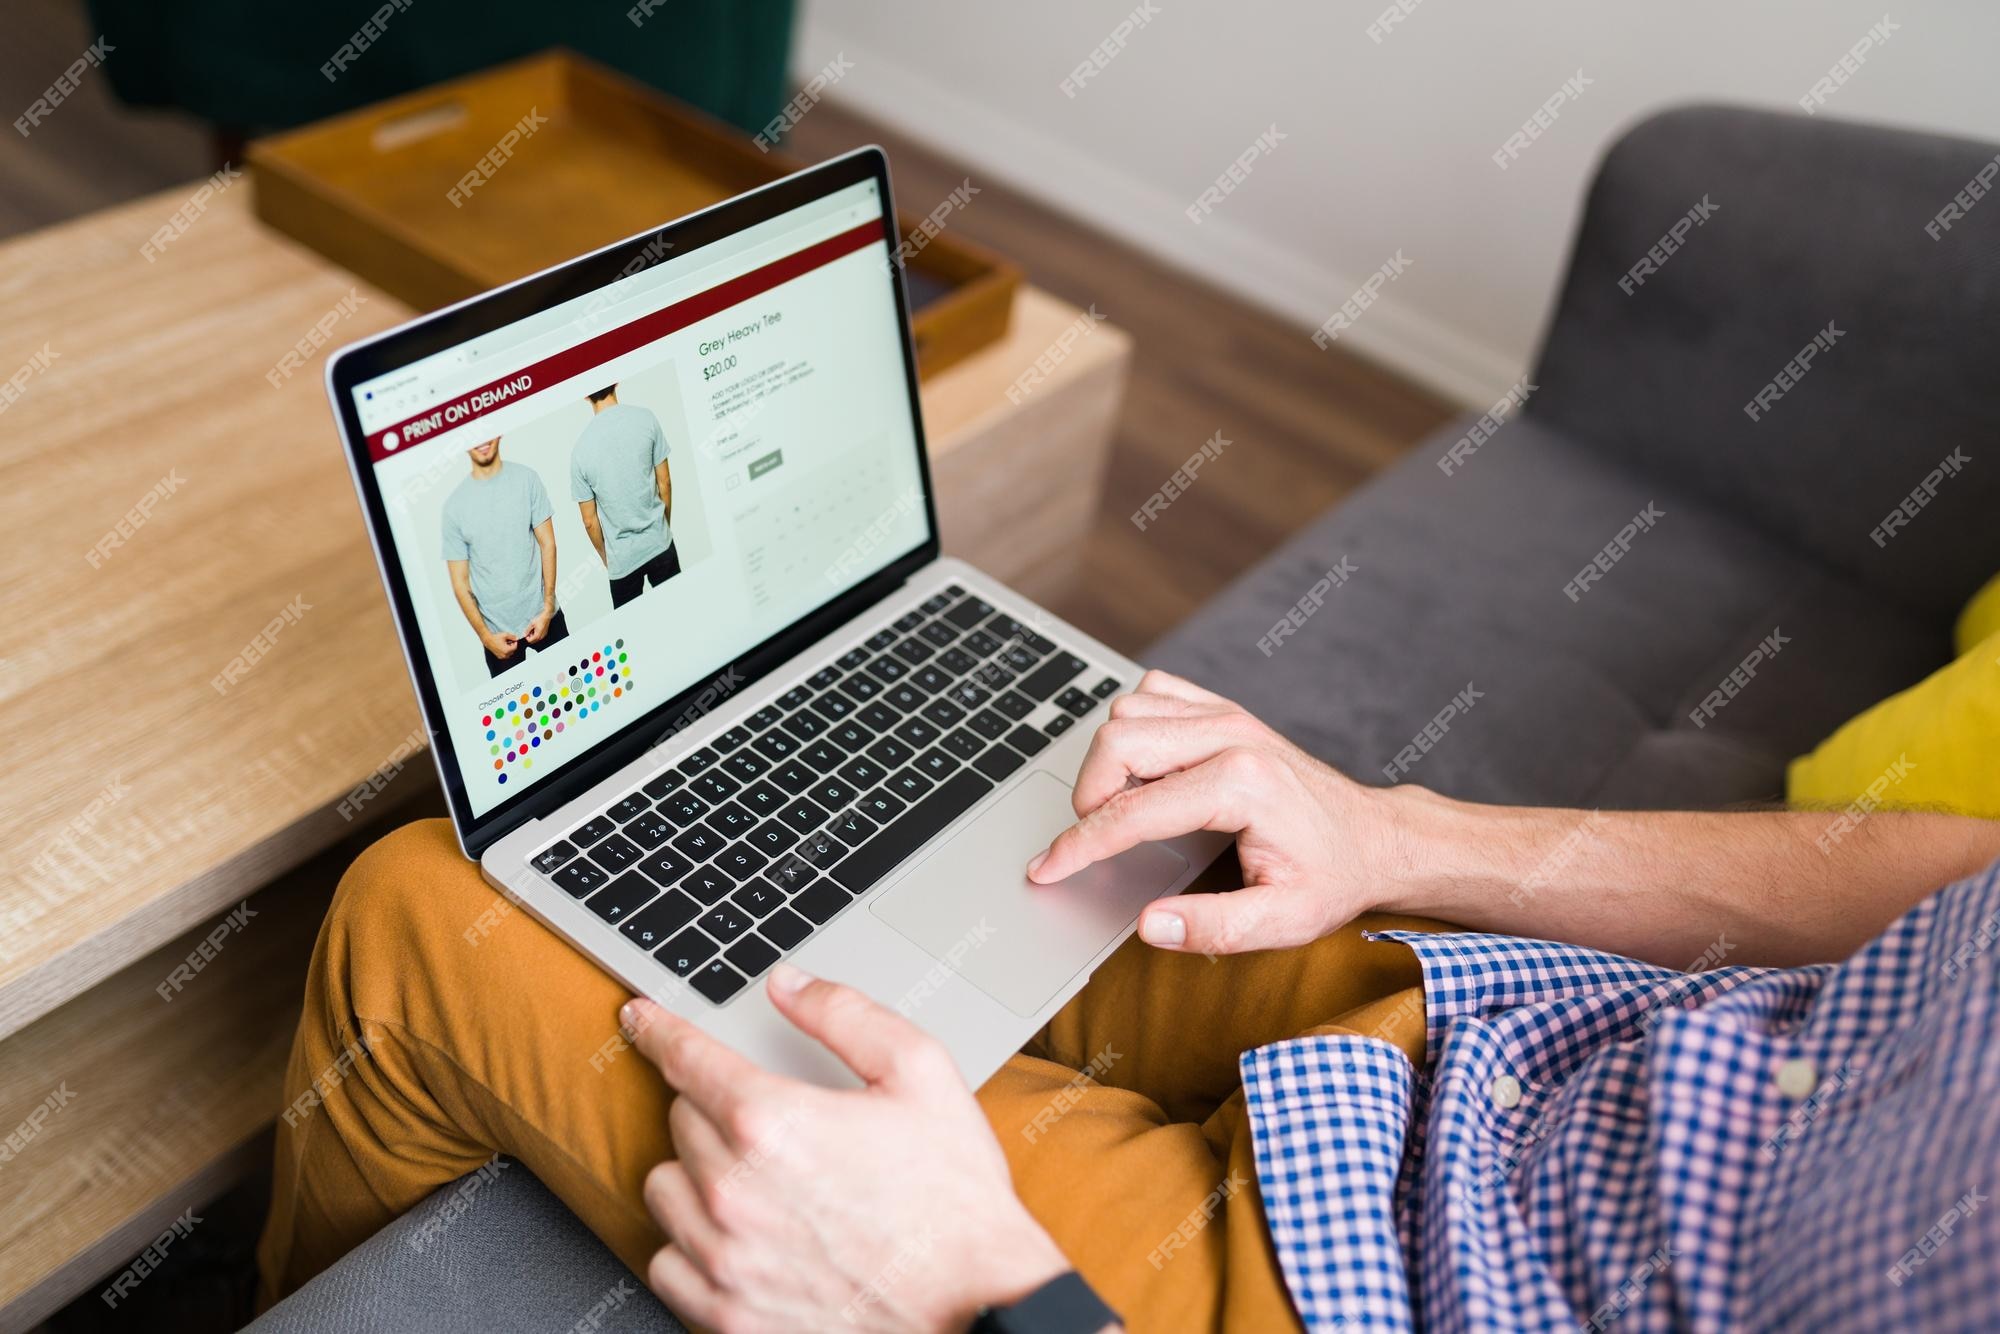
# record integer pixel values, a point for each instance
(370, 190)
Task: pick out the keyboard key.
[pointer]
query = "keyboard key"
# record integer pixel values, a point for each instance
(832, 793)
(998, 762)
(862, 688)
(981, 643)
(962, 744)
(1075, 701)
(759, 898)
(650, 830)
(889, 752)
(969, 612)
(881, 639)
(773, 838)
(708, 885)
(1014, 706)
(591, 830)
(916, 732)
(631, 808)
(851, 737)
(725, 921)
(880, 807)
(937, 602)
(968, 694)
(752, 955)
(1027, 740)
(880, 716)
(616, 853)
(1106, 688)
(714, 786)
(554, 855)
(790, 874)
(764, 717)
(699, 843)
(717, 981)
(731, 820)
(907, 784)
(931, 679)
(833, 706)
(775, 744)
(1059, 724)
(579, 878)
(805, 724)
(824, 756)
(730, 740)
(851, 659)
(898, 840)
(906, 697)
(957, 661)
(654, 925)
(794, 698)
(622, 897)
(820, 901)
(909, 621)
(988, 724)
(665, 866)
(664, 784)
(794, 777)
(943, 712)
(823, 678)
(852, 828)
(954, 590)
(763, 799)
(698, 761)
(686, 952)
(785, 929)
(935, 764)
(745, 765)
(862, 772)
(1051, 676)
(937, 633)
(741, 860)
(992, 676)
(683, 808)
(819, 849)
(1018, 657)
(914, 651)
(803, 815)
(888, 670)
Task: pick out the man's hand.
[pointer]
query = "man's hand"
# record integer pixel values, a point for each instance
(500, 645)
(540, 625)
(1316, 847)
(792, 1207)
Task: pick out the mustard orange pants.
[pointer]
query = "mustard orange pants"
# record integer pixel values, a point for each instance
(442, 1025)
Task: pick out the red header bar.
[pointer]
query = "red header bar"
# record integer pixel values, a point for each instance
(571, 361)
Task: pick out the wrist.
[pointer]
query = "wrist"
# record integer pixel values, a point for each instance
(1007, 1268)
(1430, 845)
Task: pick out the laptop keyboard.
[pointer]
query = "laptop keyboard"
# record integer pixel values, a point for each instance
(730, 860)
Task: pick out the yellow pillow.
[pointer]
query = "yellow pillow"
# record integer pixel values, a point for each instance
(1980, 619)
(1935, 746)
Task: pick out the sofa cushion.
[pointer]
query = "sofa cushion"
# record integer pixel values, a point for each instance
(1459, 580)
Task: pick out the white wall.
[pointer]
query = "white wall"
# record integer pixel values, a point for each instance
(1387, 145)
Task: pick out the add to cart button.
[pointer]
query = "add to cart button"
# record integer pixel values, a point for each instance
(758, 467)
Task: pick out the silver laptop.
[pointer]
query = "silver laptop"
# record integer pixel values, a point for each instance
(658, 529)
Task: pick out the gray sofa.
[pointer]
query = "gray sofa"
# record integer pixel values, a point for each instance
(1459, 578)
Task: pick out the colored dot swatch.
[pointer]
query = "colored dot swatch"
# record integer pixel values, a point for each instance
(540, 712)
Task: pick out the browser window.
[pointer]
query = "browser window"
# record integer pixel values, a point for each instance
(599, 506)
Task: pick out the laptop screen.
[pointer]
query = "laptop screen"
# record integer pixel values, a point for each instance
(603, 504)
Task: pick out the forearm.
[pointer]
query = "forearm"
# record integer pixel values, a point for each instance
(1756, 887)
(471, 609)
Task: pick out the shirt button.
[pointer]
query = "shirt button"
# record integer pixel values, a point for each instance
(1797, 1078)
(1506, 1091)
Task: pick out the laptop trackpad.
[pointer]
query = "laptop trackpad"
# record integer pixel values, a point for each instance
(970, 906)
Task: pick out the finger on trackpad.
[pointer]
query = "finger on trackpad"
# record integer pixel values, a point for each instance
(971, 906)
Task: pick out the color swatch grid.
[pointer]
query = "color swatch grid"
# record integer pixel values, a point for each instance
(537, 715)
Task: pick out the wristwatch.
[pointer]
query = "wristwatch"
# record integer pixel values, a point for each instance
(1063, 1305)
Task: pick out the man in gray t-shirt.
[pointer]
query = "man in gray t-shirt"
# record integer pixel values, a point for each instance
(619, 478)
(500, 546)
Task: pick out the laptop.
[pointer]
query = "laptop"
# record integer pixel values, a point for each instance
(658, 529)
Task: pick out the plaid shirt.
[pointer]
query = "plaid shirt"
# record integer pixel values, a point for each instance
(1600, 1143)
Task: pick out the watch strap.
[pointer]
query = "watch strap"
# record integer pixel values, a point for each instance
(1063, 1305)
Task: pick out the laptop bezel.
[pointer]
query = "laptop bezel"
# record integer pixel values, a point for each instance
(582, 277)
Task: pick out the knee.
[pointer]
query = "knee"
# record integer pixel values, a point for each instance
(410, 890)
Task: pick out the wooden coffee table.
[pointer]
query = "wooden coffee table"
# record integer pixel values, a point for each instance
(169, 494)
